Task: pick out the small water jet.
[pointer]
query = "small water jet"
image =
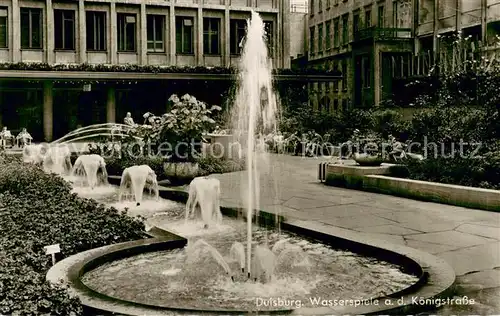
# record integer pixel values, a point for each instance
(135, 180)
(263, 264)
(198, 250)
(87, 169)
(205, 193)
(57, 160)
(237, 253)
(34, 153)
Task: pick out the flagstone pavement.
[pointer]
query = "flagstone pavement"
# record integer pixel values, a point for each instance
(468, 239)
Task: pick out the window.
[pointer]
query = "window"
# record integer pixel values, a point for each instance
(335, 105)
(4, 35)
(344, 105)
(355, 24)
(64, 29)
(336, 69)
(365, 63)
(268, 26)
(328, 30)
(344, 75)
(211, 36)
(320, 38)
(320, 6)
(184, 34)
(345, 30)
(31, 28)
(336, 33)
(395, 14)
(96, 31)
(368, 18)
(238, 31)
(156, 33)
(311, 10)
(311, 40)
(381, 14)
(126, 32)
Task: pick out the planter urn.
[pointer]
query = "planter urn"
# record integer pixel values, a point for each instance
(181, 173)
(368, 160)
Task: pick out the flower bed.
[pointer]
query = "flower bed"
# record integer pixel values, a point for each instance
(36, 210)
(147, 69)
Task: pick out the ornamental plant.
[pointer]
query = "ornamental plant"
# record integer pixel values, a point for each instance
(184, 125)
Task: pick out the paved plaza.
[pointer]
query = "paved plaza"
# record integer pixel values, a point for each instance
(468, 239)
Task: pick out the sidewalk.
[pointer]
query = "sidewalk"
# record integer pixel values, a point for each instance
(469, 240)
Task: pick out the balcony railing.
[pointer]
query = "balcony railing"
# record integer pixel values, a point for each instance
(378, 34)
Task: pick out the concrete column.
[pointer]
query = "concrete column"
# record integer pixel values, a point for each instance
(82, 31)
(143, 54)
(377, 73)
(484, 20)
(227, 38)
(285, 33)
(16, 32)
(199, 37)
(49, 34)
(48, 117)
(111, 105)
(171, 33)
(113, 31)
(436, 25)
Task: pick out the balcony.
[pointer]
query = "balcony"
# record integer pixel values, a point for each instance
(382, 34)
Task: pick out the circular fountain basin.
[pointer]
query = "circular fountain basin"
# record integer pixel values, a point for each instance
(172, 279)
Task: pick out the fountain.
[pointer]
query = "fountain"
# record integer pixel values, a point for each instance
(204, 192)
(252, 118)
(34, 153)
(237, 253)
(57, 160)
(87, 168)
(202, 276)
(135, 179)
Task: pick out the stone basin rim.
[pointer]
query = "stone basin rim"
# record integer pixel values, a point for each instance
(71, 269)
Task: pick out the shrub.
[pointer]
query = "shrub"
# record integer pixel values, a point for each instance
(38, 209)
(116, 165)
(481, 172)
(211, 165)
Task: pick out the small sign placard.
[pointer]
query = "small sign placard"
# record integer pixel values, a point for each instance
(52, 249)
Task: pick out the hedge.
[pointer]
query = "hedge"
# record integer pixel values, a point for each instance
(36, 210)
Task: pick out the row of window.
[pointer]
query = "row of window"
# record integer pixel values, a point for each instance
(332, 29)
(328, 5)
(96, 28)
(325, 104)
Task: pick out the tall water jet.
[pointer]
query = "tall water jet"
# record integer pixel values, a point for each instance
(205, 193)
(255, 114)
(87, 168)
(137, 178)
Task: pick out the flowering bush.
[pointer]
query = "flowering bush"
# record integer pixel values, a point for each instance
(184, 125)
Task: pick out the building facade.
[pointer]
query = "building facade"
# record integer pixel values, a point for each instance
(373, 42)
(198, 33)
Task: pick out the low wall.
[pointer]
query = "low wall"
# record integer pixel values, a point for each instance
(376, 179)
(435, 192)
(351, 175)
